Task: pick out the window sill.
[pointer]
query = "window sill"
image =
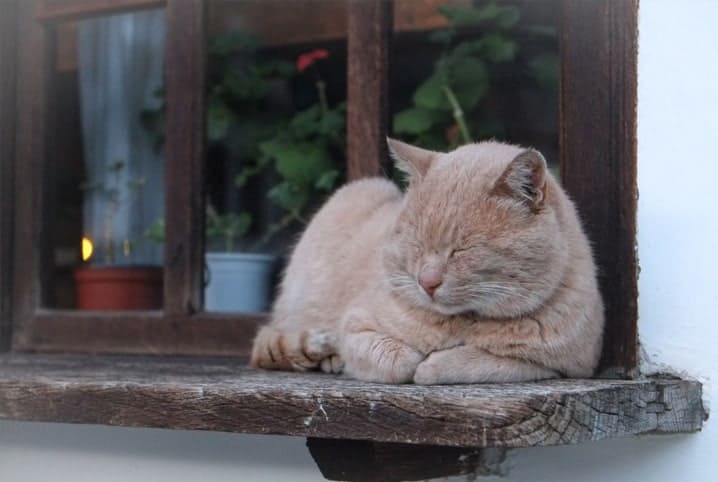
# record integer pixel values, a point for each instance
(223, 395)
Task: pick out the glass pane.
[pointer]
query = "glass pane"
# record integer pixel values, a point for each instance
(107, 193)
(276, 138)
(465, 71)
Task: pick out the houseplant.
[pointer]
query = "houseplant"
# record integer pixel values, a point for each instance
(298, 153)
(283, 156)
(111, 280)
(479, 45)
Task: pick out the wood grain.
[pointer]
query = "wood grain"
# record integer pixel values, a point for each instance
(368, 45)
(150, 333)
(31, 153)
(66, 10)
(8, 71)
(223, 395)
(598, 156)
(185, 153)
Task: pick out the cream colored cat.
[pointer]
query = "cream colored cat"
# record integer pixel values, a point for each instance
(479, 273)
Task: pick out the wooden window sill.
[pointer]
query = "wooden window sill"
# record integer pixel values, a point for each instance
(223, 395)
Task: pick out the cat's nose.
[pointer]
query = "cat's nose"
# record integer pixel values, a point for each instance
(430, 279)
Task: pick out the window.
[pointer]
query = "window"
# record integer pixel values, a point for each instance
(596, 148)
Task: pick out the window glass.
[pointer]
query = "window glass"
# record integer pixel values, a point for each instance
(106, 169)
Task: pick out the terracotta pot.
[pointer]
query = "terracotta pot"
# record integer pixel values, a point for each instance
(119, 288)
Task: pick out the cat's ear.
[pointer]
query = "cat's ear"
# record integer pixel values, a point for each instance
(525, 179)
(412, 160)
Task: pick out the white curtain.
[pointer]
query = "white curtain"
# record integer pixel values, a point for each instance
(121, 60)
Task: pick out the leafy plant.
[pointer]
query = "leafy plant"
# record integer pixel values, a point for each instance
(444, 104)
(114, 194)
(298, 147)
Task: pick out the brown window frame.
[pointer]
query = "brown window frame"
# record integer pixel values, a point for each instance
(597, 140)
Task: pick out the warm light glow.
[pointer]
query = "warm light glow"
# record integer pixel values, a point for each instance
(86, 248)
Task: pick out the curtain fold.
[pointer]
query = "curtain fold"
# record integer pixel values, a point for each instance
(121, 60)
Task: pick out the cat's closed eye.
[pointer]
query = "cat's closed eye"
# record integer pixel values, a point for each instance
(457, 251)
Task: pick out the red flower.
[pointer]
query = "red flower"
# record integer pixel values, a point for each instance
(304, 61)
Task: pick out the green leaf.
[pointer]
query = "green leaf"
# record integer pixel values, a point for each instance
(466, 15)
(331, 124)
(327, 180)
(307, 122)
(414, 120)
(508, 16)
(545, 69)
(219, 118)
(156, 231)
(430, 94)
(289, 197)
(469, 78)
(299, 163)
(499, 48)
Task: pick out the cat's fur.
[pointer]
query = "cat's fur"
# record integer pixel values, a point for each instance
(518, 298)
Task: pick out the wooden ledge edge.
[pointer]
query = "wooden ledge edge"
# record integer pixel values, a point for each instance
(223, 395)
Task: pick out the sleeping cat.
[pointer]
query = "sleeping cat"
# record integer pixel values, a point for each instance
(479, 273)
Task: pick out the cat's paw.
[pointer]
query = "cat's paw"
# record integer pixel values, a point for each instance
(299, 350)
(333, 364)
(431, 371)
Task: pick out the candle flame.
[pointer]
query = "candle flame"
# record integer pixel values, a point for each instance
(86, 248)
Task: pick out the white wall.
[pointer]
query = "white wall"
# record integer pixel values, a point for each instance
(678, 242)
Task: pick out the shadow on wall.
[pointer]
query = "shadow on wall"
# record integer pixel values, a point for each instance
(78, 451)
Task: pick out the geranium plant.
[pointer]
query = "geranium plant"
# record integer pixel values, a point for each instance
(446, 104)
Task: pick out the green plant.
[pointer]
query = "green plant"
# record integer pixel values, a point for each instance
(113, 195)
(298, 147)
(445, 104)
(302, 151)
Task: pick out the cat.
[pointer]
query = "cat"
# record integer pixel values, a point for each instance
(480, 272)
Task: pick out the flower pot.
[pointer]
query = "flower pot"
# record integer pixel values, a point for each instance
(239, 282)
(119, 288)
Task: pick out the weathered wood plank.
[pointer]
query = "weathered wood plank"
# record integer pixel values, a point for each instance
(148, 333)
(226, 396)
(598, 156)
(8, 96)
(185, 151)
(31, 155)
(369, 25)
(67, 10)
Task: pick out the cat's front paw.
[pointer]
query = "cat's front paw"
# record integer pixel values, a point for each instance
(436, 369)
(332, 364)
(428, 372)
(298, 350)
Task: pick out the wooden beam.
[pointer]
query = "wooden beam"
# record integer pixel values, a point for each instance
(31, 155)
(368, 45)
(70, 10)
(8, 99)
(147, 333)
(366, 461)
(598, 156)
(185, 156)
(222, 395)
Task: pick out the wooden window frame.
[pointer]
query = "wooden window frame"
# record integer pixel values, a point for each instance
(597, 136)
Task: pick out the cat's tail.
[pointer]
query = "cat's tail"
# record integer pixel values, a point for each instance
(299, 350)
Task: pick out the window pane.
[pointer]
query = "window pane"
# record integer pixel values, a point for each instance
(106, 197)
(276, 137)
(465, 71)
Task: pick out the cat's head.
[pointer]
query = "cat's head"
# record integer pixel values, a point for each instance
(479, 232)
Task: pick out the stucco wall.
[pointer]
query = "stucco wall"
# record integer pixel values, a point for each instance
(678, 241)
